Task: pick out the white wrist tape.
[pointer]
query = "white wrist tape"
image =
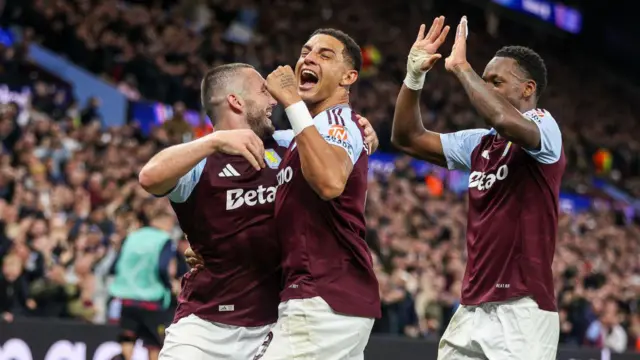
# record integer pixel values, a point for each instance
(415, 76)
(414, 82)
(299, 117)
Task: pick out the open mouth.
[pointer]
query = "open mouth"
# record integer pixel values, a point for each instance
(308, 79)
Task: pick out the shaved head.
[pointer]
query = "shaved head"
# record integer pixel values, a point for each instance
(220, 82)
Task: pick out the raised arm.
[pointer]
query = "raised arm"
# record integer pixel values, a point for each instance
(498, 113)
(326, 160)
(163, 172)
(408, 133)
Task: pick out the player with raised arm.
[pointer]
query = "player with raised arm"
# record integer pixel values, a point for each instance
(508, 306)
(225, 206)
(330, 294)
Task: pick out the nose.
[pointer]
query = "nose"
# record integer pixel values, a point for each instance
(310, 59)
(272, 101)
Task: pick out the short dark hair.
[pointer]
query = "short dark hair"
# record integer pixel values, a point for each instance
(351, 48)
(530, 62)
(215, 81)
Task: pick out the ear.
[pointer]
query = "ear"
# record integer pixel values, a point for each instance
(529, 89)
(349, 78)
(236, 103)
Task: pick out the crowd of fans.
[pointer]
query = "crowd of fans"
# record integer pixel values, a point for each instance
(69, 192)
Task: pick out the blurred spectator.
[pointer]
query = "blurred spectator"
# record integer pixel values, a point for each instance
(14, 293)
(177, 128)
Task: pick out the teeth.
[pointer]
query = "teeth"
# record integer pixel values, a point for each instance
(309, 72)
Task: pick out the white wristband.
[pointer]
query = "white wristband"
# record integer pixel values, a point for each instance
(299, 117)
(414, 82)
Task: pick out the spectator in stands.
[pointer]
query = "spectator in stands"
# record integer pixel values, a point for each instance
(177, 128)
(14, 292)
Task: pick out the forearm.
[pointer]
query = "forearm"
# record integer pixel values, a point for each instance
(497, 111)
(407, 121)
(322, 167)
(408, 133)
(164, 170)
(491, 106)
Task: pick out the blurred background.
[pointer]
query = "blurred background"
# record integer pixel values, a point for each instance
(91, 89)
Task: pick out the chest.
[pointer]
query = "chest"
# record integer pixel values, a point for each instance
(496, 165)
(231, 180)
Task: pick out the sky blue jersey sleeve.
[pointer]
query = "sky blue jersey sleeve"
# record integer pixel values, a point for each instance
(459, 145)
(187, 183)
(337, 128)
(550, 137)
(283, 137)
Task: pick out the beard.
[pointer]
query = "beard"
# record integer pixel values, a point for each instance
(259, 122)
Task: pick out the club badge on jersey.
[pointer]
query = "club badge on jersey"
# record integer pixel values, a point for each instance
(272, 158)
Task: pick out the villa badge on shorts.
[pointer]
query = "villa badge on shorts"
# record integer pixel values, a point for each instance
(272, 158)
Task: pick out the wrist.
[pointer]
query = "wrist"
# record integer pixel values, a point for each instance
(212, 141)
(461, 68)
(292, 101)
(299, 117)
(415, 80)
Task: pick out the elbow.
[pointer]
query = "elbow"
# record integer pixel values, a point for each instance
(328, 189)
(145, 180)
(400, 141)
(500, 123)
(148, 182)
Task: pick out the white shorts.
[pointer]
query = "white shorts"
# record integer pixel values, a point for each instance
(196, 339)
(512, 330)
(308, 329)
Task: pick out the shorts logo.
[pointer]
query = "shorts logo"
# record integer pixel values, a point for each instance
(222, 308)
(338, 132)
(272, 158)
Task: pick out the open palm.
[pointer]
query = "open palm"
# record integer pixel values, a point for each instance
(427, 45)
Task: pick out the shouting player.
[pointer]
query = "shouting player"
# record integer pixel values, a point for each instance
(330, 294)
(225, 206)
(508, 306)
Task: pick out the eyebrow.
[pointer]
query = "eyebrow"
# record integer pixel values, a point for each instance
(308, 47)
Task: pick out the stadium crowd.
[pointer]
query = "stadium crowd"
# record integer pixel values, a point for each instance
(69, 192)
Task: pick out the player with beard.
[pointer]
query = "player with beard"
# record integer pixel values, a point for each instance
(508, 307)
(225, 206)
(330, 296)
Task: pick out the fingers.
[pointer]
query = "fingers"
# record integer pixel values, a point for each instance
(436, 29)
(463, 29)
(421, 32)
(251, 154)
(254, 152)
(443, 36)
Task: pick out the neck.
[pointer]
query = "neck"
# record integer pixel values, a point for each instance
(231, 122)
(338, 98)
(527, 106)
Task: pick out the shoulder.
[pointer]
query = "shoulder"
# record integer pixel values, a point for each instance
(283, 137)
(539, 116)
